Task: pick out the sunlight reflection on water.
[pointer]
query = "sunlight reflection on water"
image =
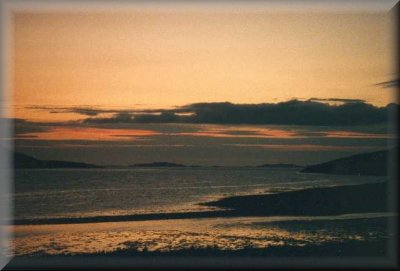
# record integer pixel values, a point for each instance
(169, 235)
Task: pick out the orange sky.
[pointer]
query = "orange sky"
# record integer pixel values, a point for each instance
(210, 131)
(165, 58)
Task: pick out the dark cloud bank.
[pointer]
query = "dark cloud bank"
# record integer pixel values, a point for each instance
(294, 112)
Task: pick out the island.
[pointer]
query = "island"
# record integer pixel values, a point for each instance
(280, 166)
(159, 164)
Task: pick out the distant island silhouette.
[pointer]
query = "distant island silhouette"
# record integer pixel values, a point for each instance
(373, 163)
(160, 164)
(280, 165)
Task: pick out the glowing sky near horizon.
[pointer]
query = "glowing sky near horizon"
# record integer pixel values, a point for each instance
(138, 59)
(167, 58)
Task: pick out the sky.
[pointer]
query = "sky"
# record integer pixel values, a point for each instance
(198, 86)
(170, 58)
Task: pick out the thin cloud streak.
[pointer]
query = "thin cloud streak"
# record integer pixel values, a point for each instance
(143, 131)
(347, 134)
(305, 147)
(395, 83)
(340, 100)
(88, 133)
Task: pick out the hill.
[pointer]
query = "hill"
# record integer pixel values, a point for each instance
(25, 161)
(373, 163)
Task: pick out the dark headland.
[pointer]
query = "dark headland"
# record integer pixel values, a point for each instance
(373, 163)
(25, 161)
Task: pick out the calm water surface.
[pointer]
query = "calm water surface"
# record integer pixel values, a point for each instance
(85, 193)
(92, 192)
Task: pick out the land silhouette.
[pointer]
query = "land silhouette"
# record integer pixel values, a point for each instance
(162, 164)
(373, 163)
(25, 161)
(336, 200)
(280, 165)
(316, 201)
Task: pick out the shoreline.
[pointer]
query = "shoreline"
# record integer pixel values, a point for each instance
(337, 200)
(346, 248)
(362, 237)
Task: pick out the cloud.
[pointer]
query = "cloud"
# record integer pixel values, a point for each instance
(389, 84)
(23, 127)
(86, 111)
(305, 147)
(163, 117)
(93, 111)
(139, 131)
(203, 144)
(90, 134)
(83, 111)
(294, 112)
(336, 100)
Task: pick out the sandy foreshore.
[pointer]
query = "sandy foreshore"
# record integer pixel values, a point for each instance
(352, 238)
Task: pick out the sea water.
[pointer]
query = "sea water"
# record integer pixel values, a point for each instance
(42, 193)
(65, 193)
